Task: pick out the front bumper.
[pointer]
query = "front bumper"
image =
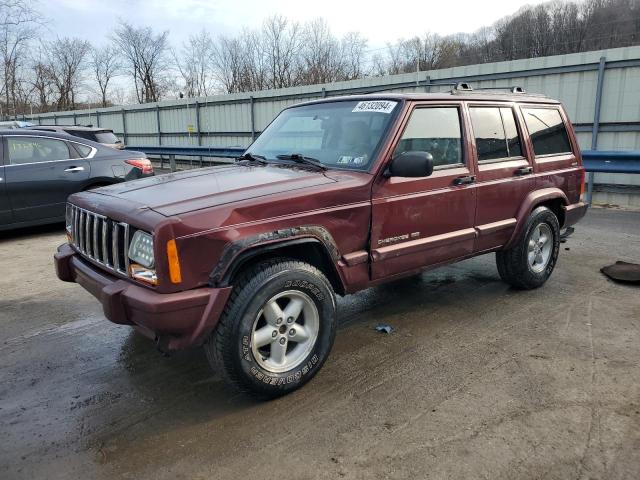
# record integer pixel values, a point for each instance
(174, 320)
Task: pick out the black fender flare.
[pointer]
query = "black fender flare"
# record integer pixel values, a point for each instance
(238, 253)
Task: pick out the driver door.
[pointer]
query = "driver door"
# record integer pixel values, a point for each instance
(419, 222)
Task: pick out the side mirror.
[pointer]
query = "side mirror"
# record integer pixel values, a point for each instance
(411, 164)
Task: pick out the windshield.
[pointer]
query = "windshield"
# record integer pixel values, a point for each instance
(337, 134)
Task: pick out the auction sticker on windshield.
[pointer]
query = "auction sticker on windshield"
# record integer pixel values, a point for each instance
(382, 106)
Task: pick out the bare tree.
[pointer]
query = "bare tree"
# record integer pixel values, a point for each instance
(146, 56)
(280, 54)
(321, 54)
(227, 61)
(241, 64)
(281, 40)
(19, 24)
(104, 64)
(42, 86)
(353, 53)
(195, 65)
(66, 61)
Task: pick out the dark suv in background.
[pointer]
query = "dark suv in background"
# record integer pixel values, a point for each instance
(99, 135)
(39, 170)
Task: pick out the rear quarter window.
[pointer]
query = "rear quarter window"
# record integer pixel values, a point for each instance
(547, 131)
(84, 150)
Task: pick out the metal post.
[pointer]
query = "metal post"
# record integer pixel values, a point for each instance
(55, 119)
(253, 118)
(427, 87)
(198, 124)
(596, 122)
(324, 92)
(75, 121)
(124, 126)
(198, 133)
(98, 118)
(158, 124)
(172, 162)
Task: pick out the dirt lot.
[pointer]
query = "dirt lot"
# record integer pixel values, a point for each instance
(478, 380)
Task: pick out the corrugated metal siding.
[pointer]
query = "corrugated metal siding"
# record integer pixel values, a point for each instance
(225, 120)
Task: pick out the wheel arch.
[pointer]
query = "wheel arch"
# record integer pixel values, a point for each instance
(552, 198)
(313, 245)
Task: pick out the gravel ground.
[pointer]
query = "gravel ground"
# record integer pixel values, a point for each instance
(477, 381)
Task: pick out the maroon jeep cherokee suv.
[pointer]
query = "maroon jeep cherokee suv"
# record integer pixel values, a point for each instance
(335, 196)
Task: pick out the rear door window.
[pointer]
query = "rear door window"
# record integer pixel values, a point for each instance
(36, 150)
(495, 132)
(547, 131)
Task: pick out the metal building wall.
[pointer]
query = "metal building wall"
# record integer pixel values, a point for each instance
(233, 120)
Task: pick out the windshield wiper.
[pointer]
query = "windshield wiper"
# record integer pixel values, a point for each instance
(253, 158)
(299, 158)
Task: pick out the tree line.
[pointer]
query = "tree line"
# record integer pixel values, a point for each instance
(67, 73)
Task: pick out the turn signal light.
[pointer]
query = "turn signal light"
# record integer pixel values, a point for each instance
(174, 262)
(143, 164)
(582, 181)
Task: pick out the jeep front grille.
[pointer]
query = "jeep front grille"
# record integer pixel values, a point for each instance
(99, 238)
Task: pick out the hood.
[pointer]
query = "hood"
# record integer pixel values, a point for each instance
(178, 193)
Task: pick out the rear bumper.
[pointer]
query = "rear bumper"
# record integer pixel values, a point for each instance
(174, 320)
(573, 213)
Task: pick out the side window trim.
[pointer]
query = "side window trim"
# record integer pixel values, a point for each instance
(461, 123)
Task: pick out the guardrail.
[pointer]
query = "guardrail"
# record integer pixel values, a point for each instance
(595, 161)
(173, 152)
(608, 161)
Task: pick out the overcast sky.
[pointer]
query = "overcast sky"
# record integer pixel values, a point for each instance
(379, 22)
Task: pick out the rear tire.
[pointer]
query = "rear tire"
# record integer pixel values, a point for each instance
(530, 262)
(276, 330)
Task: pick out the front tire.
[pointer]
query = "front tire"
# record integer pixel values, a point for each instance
(530, 262)
(276, 330)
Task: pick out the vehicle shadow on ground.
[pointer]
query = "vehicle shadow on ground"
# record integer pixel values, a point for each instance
(28, 232)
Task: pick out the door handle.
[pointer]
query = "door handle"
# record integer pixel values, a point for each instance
(74, 169)
(523, 171)
(467, 179)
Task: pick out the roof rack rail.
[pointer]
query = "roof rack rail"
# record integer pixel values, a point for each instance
(395, 87)
(513, 89)
(462, 87)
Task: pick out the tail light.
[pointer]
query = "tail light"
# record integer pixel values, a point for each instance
(581, 179)
(143, 164)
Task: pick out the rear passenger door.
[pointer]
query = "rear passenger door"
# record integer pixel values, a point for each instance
(418, 222)
(504, 171)
(40, 174)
